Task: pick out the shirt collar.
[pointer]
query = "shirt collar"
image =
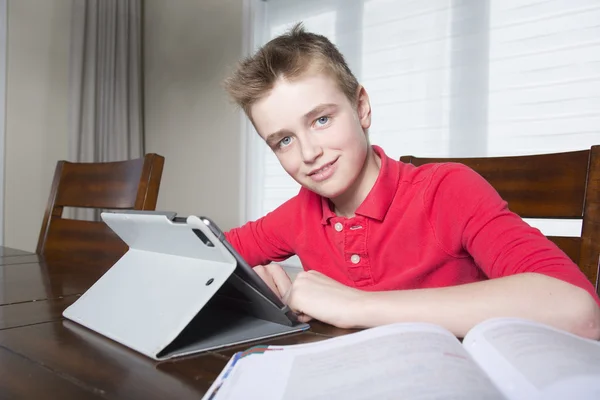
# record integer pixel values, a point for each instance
(327, 210)
(378, 201)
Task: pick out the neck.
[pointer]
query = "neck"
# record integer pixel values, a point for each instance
(347, 203)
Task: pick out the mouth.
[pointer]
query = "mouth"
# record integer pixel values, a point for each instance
(322, 169)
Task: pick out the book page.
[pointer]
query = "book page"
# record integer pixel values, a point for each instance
(528, 360)
(422, 362)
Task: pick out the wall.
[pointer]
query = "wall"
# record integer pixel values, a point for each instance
(188, 119)
(36, 112)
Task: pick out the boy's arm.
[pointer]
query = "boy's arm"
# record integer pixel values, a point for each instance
(530, 276)
(457, 308)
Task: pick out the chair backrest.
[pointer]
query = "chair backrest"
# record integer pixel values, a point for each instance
(552, 186)
(132, 184)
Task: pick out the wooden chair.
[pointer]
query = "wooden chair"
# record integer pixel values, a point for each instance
(553, 186)
(132, 184)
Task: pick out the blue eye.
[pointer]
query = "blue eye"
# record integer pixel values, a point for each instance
(322, 121)
(285, 141)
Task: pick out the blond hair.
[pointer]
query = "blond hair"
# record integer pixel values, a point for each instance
(289, 56)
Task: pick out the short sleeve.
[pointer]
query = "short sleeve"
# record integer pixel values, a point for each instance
(469, 218)
(267, 239)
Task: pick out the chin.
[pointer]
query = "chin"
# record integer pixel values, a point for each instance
(328, 191)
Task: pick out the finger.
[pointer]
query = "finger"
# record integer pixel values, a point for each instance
(267, 278)
(286, 296)
(304, 318)
(281, 279)
(299, 314)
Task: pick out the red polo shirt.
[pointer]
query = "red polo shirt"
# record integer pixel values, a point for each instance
(419, 227)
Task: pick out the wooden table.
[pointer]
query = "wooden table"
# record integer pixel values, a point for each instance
(42, 355)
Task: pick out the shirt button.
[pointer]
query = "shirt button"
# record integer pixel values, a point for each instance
(339, 227)
(355, 258)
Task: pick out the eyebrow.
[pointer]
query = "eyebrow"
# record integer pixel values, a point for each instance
(275, 137)
(318, 110)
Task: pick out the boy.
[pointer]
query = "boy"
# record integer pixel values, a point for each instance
(383, 241)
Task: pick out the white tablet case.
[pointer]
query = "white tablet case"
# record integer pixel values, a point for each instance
(153, 299)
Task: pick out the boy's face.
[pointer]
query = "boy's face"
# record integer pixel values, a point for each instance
(315, 131)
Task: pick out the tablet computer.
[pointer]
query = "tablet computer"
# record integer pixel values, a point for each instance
(243, 269)
(176, 290)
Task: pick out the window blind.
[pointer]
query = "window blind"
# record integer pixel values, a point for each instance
(457, 78)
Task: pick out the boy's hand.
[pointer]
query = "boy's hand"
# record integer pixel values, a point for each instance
(275, 277)
(314, 295)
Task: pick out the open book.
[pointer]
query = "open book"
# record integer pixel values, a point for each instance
(498, 359)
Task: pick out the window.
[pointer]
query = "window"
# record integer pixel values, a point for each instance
(454, 77)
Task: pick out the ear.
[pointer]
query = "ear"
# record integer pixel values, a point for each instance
(363, 107)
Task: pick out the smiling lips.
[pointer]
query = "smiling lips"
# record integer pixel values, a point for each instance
(324, 172)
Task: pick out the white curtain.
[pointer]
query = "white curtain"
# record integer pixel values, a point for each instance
(105, 109)
(106, 81)
(455, 77)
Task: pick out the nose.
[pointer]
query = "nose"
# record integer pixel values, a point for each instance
(311, 149)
